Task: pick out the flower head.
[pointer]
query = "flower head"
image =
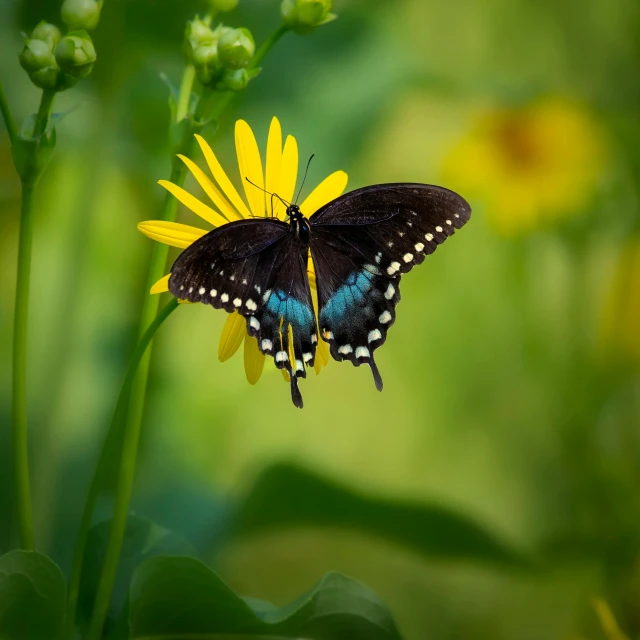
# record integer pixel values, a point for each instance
(531, 166)
(278, 176)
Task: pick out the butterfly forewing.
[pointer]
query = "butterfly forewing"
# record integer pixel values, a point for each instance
(361, 243)
(257, 268)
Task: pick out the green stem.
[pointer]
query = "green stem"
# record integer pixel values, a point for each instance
(19, 404)
(44, 112)
(139, 385)
(184, 97)
(114, 436)
(267, 45)
(6, 115)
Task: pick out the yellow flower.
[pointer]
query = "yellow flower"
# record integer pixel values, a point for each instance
(279, 176)
(531, 166)
(619, 335)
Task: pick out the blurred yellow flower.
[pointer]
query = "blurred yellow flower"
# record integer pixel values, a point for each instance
(281, 170)
(531, 166)
(620, 323)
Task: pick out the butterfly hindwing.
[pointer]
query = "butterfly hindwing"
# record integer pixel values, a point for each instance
(361, 243)
(257, 268)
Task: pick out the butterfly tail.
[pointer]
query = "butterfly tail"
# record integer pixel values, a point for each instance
(296, 396)
(376, 374)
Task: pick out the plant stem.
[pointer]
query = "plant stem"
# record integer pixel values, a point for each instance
(139, 386)
(44, 112)
(20, 323)
(19, 401)
(109, 448)
(6, 115)
(184, 97)
(267, 45)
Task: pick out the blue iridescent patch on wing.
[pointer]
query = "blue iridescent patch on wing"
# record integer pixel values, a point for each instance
(294, 312)
(349, 295)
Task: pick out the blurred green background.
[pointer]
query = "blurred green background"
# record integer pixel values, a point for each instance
(512, 393)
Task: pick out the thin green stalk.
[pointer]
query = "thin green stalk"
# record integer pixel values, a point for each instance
(19, 404)
(44, 112)
(6, 115)
(21, 316)
(139, 386)
(109, 448)
(184, 96)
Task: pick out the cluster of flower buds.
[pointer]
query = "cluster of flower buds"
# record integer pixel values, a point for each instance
(220, 55)
(56, 62)
(303, 16)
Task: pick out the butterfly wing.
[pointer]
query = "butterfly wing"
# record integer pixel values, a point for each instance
(256, 267)
(361, 243)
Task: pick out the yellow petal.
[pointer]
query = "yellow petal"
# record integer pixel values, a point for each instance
(250, 166)
(221, 178)
(288, 173)
(329, 189)
(211, 190)
(233, 332)
(274, 162)
(171, 233)
(253, 360)
(162, 286)
(191, 202)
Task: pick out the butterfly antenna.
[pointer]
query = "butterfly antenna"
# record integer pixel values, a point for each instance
(284, 202)
(305, 177)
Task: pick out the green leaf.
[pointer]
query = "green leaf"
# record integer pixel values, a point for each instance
(180, 597)
(143, 540)
(32, 597)
(288, 496)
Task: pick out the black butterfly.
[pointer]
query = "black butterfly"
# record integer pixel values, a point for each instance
(361, 243)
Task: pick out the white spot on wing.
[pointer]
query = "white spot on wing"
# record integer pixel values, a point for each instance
(314, 338)
(254, 322)
(266, 345)
(407, 257)
(362, 352)
(282, 356)
(307, 356)
(419, 246)
(213, 293)
(345, 349)
(224, 297)
(374, 335)
(190, 289)
(439, 229)
(251, 304)
(393, 267)
(299, 365)
(201, 290)
(429, 237)
(266, 295)
(448, 221)
(385, 317)
(237, 303)
(388, 294)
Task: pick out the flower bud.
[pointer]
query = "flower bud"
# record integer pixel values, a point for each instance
(236, 79)
(81, 14)
(303, 16)
(38, 61)
(205, 60)
(224, 6)
(235, 48)
(75, 54)
(47, 32)
(197, 34)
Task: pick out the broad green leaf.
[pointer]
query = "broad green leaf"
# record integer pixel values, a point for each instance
(288, 496)
(181, 597)
(143, 540)
(32, 597)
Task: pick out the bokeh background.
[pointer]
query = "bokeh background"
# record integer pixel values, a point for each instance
(512, 394)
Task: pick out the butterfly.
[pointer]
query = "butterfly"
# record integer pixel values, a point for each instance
(361, 244)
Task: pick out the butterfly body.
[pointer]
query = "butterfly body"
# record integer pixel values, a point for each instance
(361, 244)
